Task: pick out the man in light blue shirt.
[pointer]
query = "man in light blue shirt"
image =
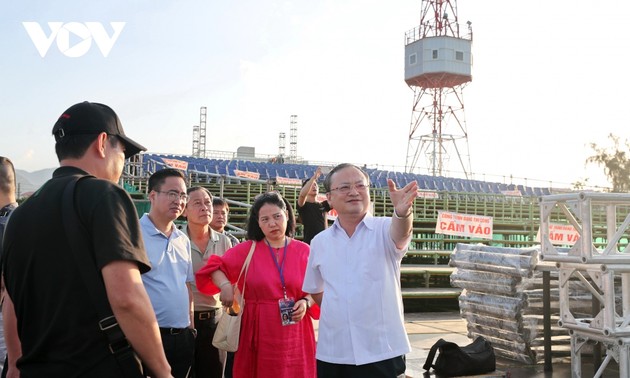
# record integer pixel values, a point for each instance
(169, 281)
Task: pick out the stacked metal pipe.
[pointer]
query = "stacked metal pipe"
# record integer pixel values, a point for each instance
(502, 300)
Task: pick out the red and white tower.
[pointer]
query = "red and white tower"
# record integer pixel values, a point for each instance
(438, 65)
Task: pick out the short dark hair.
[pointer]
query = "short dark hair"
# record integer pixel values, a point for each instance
(328, 179)
(254, 232)
(197, 188)
(157, 179)
(74, 146)
(218, 201)
(7, 176)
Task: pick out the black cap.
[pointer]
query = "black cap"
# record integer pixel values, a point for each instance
(87, 118)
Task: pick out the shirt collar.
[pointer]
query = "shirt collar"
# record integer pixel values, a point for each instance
(5, 210)
(214, 236)
(9, 207)
(367, 221)
(67, 170)
(150, 228)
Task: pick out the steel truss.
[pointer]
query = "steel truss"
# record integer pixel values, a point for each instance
(603, 272)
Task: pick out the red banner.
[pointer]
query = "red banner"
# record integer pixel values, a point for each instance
(288, 181)
(177, 164)
(425, 194)
(247, 174)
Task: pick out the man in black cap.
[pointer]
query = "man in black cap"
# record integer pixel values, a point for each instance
(57, 320)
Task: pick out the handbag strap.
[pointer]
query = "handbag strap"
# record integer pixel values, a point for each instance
(246, 269)
(79, 245)
(428, 364)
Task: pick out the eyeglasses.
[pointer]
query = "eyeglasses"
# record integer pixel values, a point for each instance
(345, 189)
(277, 217)
(174, 195)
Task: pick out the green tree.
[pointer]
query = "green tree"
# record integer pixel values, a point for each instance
(580, 184)
(615, 162)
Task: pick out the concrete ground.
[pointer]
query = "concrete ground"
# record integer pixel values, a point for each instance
(424, 329)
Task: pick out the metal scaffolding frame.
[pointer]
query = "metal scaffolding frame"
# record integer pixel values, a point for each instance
(604, 272)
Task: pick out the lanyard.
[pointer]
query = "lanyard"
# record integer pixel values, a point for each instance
(280, 268)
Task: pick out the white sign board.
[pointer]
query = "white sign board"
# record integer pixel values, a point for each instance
(474, 226)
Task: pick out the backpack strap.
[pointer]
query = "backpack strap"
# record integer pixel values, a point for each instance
(428, 364)
(77, 236)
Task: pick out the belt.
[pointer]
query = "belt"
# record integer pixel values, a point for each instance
(172, 331)
(205, 315)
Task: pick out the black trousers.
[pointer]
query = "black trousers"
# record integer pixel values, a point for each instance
(207, 363)
(229, 364)
(390, 368)
(179, 347)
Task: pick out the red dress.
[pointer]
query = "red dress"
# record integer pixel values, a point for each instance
(267, 349)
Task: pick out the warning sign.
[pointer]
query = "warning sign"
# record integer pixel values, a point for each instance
(427, 194)
(177, 164)
(474, 226)
(288, 181)
(247, 174)
(561, 234)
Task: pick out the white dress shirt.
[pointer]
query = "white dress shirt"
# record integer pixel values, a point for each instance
(362, 312)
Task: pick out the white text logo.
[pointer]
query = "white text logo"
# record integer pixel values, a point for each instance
(83, 33)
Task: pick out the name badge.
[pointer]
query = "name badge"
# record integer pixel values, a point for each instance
(286, 310)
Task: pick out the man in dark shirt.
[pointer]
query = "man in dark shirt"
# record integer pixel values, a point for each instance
(220, 215)
(57, 323)
(312, 212)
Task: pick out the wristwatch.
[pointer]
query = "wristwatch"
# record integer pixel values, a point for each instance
(308, 303)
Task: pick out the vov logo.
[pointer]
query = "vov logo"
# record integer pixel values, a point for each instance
(84, 33)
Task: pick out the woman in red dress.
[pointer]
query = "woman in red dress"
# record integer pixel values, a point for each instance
(273, 343)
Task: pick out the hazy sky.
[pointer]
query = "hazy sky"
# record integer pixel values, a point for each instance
(548, 79)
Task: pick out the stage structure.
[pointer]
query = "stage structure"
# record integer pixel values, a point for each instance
(199, 135)
(604, 272)
(281, 144)
(293, 139)
(438, 65)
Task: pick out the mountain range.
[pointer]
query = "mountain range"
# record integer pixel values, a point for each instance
(28, 182)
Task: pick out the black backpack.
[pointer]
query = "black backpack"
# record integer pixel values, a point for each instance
(453, 360)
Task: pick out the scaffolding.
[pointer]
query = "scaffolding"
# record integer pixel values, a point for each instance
(604, 272)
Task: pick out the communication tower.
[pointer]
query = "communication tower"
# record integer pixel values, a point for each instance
(293, 140)
(438, 65)
(199, 135)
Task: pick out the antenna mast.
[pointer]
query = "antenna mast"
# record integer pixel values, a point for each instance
(438, 65)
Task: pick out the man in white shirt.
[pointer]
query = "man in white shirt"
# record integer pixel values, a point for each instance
(353, 273)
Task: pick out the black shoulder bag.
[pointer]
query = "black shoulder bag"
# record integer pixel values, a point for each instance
(453, 360)
(126, 358)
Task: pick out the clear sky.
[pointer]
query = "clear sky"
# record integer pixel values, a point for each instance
(549, 77)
